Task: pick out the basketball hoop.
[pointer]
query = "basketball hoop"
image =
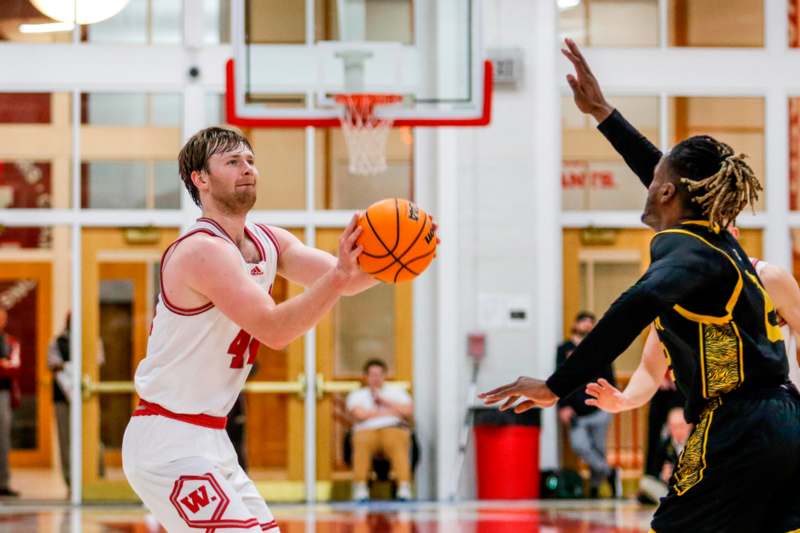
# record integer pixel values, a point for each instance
(364, 132)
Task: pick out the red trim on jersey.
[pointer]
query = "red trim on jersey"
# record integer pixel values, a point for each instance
(269, 525)
(146, 408)
(169, 305)
(216, 225)
(258, 244)
(271, 237)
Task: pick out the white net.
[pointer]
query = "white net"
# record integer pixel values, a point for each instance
(365, 133)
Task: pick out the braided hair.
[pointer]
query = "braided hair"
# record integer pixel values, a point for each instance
(717, 183)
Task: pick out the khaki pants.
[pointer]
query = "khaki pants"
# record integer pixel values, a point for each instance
(393, 442)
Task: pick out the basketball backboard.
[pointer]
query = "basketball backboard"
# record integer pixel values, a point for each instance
(293, 57)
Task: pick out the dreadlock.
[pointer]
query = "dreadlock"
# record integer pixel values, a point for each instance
(717, 180)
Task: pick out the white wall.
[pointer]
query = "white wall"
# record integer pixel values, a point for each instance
(506, 192)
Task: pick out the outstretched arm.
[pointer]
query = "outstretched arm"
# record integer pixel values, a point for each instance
(642, 386)
(639, 153)
(211, 268)
(304, 265)
(667, 281)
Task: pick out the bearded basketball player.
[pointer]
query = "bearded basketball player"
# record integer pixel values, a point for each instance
(214, 311)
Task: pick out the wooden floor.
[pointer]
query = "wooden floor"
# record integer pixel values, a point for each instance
(470, 517)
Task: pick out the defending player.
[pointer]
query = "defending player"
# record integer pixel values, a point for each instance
(717, 324)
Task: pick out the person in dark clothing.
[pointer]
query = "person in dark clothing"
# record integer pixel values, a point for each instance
(9, 396)
(58, 361)
(718, 328)
(587, 425)
(666, 398)
(666, 457)
(235, 427)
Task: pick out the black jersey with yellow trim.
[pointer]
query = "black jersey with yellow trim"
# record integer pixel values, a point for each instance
(725, 336)
(715, 320)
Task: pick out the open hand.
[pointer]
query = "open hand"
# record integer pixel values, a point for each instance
(347, 264)
(605, 396)
(535, 391)
(585, 88)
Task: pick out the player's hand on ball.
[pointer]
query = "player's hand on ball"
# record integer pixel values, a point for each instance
(535, 392)
(605, 396)
(347, 264)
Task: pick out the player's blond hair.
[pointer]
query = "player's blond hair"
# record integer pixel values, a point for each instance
(718, 181)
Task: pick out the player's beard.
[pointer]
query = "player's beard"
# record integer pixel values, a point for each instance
(240, 201)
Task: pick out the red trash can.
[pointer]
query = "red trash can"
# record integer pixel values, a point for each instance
(507, 454)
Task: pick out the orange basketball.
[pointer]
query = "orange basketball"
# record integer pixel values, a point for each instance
(398, 239)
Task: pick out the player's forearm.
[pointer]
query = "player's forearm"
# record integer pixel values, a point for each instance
(359, 284)
(293, 318)
(641, 388)
(622, 323)
(638, 152)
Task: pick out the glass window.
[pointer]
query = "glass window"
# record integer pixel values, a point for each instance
(275, 21)
(376, 20)
(215, 109)
(132, 109)
(25, 183)
(141, 22)
(281, 162)
(216, 21)
(167, 185)
(20, 237)
(718, 23)
(609, 22)
(593, 175)
(131, 185)
(114, 185)
(794, 153)
(25, 108)
(345, 190)
(36, 153)
(365, 326)
(737, 121)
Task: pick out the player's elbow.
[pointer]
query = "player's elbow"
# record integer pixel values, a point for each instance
(275, 342)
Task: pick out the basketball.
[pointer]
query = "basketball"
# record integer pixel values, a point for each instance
(398, 239)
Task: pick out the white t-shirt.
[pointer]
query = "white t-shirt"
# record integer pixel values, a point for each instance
(363, 398)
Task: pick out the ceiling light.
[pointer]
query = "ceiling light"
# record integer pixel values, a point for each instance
(46, 28)
(88, 11)
(567, 4)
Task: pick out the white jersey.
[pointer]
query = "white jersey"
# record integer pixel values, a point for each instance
(788, 335)
(198, 359)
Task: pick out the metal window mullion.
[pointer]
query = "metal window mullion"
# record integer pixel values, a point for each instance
(777, 239)
(76, 331)
(310, 344)
(663, 122)
(663, 23)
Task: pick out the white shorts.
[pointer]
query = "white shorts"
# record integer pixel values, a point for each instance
(188, 476)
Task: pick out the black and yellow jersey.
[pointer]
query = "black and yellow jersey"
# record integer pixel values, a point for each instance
(716, 323)
(724, 335)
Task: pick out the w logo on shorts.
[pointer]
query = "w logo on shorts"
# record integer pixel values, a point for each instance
(196, 499)
(199, 500)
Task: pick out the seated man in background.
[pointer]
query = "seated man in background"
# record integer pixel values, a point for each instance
(652, 489)
(587, 425)
(382, 414)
